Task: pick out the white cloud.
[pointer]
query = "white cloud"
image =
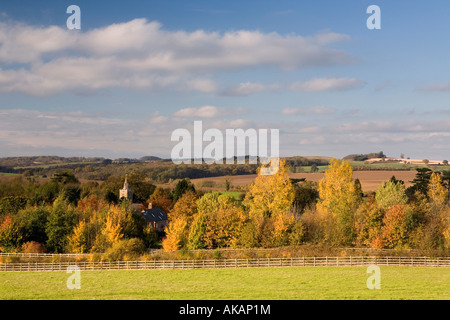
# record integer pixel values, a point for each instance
(208, 112)
(327, 84)
(200, 85)
(248, 88)
(308, 111)
(141, 55)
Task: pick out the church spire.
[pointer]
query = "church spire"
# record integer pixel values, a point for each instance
(125, 185)
(126, 192)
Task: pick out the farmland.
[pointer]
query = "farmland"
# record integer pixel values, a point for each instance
(370, 180)
(261, 283)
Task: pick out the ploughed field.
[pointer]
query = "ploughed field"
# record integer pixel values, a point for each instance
(370, 179)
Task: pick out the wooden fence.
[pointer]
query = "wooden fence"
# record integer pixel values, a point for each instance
(232, 263)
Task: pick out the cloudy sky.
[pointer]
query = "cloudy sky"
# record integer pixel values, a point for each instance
(138, 70)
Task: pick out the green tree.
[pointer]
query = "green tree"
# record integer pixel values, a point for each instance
(197, 232)
(141, 186)
(390, 193)
(181, 187)
(60, 224)
(227, 185)
(65, 177)
(32, 223)
(11, 205)
(305, 195)
(420, 182)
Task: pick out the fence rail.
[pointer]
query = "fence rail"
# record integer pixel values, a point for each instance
(231, 263)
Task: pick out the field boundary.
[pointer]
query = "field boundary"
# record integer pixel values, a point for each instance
(350, 261)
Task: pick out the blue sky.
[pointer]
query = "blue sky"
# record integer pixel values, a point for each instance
(137, 70)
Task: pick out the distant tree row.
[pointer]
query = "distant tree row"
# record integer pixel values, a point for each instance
(363, 157)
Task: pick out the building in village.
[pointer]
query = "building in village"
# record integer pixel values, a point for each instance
(154, 216)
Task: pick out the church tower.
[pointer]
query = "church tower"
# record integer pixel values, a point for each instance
(126, 192)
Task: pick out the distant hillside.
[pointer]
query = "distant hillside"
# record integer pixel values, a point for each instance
(150, 158)
(35, 161)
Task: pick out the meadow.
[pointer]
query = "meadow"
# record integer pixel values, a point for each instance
(290, 283)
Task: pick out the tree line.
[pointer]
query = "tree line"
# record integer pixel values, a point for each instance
(335, 212)
(64, 215)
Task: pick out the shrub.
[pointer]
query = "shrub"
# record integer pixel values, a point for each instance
(127, 247)
(33, 247)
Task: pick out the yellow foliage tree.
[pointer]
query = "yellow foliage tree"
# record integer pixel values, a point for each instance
(337, 190)
(175, 235)
(218, 222)
(78, 240)
(436, 191)
(112, 229)
(338, 200)
(282, 223)
(270, 194)
(185, 208)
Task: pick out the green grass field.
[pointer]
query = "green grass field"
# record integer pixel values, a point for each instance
(226, 284)
(234, 194)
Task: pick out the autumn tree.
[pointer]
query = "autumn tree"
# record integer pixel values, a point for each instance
(218, 222)
(282, 227)
(176, 235)
(338, 199)
(180, 220)
(185, 207)
(436, 191)
(78, 241)
(10, 237)
(369, 223)
(160, 198)
(395, 228)
(269, 194)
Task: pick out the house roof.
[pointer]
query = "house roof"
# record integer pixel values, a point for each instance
(155, 214)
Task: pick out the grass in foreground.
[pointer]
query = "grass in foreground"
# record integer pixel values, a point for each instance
(263, 283)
